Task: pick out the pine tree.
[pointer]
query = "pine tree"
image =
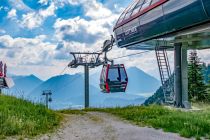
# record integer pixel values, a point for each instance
(196, 85)
(208, 87)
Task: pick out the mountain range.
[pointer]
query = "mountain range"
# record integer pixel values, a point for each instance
(68, 90)
(24, 85)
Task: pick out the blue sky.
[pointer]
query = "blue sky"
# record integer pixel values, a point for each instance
(36, 36)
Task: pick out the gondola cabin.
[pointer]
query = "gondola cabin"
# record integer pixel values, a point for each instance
(5, 82)
(113, 78)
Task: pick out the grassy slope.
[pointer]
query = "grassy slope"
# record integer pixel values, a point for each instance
(22, 118)
(187, 124)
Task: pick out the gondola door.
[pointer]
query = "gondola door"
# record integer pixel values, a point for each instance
(103, 79)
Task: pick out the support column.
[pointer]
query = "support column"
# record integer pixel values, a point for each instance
(185, 79)
(86, 86)
(177, 78)
(181, 77)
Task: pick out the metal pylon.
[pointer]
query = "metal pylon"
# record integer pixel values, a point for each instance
(165, 73)
(81, 59)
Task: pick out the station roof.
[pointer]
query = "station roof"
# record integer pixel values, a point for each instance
(135, 9)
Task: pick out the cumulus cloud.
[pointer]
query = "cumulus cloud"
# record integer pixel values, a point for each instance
(12, 14)
(35, 19)
(81, 34)
(92, 9)
(78, 30)
(43, 2)
(34, 54)
(50, 11)
(96, 10)
(27, 51)
(19, 5)
(84, 31)
(63, 49)
(32, 20)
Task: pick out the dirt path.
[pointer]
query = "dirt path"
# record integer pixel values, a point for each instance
(102, 126)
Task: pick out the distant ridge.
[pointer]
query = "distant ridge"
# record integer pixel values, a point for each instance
(24, 84)
(141, 82)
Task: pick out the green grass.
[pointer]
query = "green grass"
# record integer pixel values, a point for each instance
(22, 118)
(187, 124)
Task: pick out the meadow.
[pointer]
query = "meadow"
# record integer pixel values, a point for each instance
(21, 118)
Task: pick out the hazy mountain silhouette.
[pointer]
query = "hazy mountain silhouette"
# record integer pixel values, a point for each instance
(24, 84)
(141, 82)
(68, 90)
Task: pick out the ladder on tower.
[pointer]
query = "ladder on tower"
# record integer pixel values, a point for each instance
(166, 76)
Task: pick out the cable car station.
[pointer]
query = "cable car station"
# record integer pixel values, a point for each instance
(161, 26)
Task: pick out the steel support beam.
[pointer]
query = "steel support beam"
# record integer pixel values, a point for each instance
(86, 86)
(181, 76)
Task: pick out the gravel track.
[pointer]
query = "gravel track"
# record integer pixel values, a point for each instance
(102, 126)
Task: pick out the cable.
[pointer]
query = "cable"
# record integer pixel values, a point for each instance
(57, 75)
(63, 70)
(130, 55)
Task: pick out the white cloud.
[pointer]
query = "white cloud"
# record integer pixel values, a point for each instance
(49, 11)
(12, 14)
(43, 2)
(34, 56)
(19, 5)
(34, 19)
(28, 51)
(31, 20)
(96, 10)
(92, 8)
(84, 31)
